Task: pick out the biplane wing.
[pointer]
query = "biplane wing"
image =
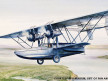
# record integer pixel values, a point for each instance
(20, 33)
(14, 35)
(79, 29)
(79, 20)
(66, 23)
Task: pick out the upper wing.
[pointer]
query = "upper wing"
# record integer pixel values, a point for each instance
(13, 35)
(80, 29)
(70, 22)
(21, 33)
(79, 20)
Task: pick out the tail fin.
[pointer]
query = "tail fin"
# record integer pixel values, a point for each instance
(89, 32)
(106, 24)
(90, 35)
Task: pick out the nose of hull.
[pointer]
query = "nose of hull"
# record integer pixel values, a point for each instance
(34, 53)
(18, 53)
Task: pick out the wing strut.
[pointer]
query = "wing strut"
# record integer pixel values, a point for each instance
(93, 29)
(70, 34)
(67, 35)
(25, 42)
(82, 29)
(63, 35)
(80, 37)
(18, 42)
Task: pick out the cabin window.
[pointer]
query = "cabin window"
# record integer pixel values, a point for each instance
(49, 45)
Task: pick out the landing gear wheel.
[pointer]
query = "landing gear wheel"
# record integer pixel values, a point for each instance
(56, 58)
(40, 61)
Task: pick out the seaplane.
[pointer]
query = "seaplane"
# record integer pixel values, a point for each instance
(54, 50)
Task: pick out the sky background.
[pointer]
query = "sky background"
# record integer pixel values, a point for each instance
(16, 15)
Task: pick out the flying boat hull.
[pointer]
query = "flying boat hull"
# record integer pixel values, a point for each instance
(48, 53)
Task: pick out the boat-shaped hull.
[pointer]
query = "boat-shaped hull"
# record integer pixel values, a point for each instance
(48, 53)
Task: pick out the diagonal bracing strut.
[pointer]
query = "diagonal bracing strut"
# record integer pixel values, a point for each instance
(70, 34)
(63, 35)
(24, 41)
(82, 29)
(67, 34)
(93, 29)
(18, 42)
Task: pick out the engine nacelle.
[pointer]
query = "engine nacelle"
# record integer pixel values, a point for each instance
(31, 37)
(52, 34)
(38, 36)
(56, 33)
(34, 37)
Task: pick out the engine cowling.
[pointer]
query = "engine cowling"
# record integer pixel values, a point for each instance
(34, 37)
(31, 37)
(52, 34)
